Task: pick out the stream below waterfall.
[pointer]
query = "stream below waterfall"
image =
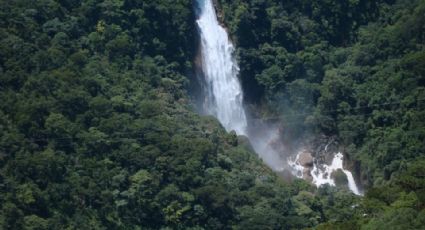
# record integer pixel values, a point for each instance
(322, 173)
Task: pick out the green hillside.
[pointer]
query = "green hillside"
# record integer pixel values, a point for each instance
(98, 129)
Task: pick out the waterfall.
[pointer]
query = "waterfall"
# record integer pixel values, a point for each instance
(224, 99)
(223, 91)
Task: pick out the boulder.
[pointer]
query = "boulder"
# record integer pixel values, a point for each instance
(340, 178)
(306, 159)
(307, 175)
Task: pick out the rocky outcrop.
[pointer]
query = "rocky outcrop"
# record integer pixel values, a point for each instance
(306, 159)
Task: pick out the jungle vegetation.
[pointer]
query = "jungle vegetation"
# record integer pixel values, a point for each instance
(98, 129)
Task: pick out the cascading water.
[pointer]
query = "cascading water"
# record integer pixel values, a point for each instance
(223, 91)
(322, 174)
(321, 177)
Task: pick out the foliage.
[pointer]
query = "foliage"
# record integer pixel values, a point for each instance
(97, 130)
(353, 70)
(359, 78)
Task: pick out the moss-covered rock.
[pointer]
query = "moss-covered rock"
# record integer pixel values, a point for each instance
(340, 178)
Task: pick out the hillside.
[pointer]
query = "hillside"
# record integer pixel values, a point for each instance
(99, 129)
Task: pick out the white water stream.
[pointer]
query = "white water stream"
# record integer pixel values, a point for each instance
(224, 92)
(323, 175)
(224, 95)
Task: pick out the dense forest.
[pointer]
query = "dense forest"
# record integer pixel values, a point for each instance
(98, 128)
(350, 69)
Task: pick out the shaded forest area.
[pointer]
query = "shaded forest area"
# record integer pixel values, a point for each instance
(354, 70)
(97, 130)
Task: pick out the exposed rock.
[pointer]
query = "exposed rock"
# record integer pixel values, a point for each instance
(306, 159)
(307, 175)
